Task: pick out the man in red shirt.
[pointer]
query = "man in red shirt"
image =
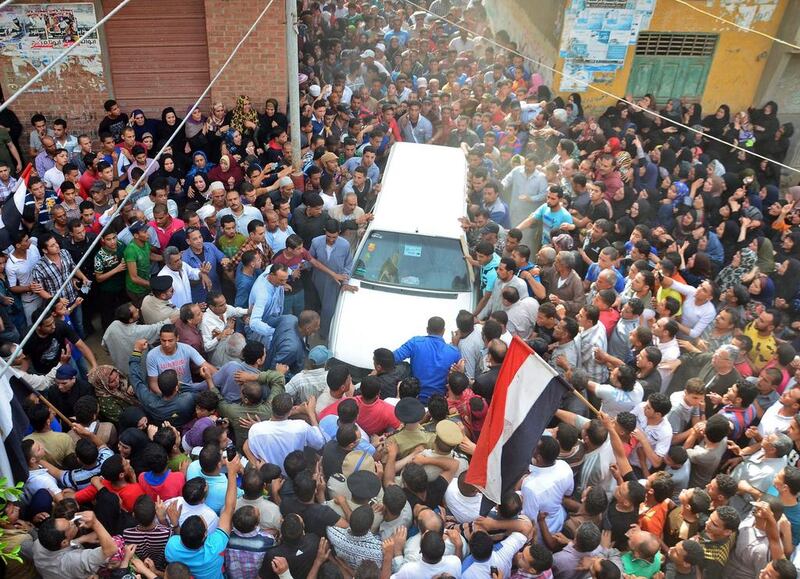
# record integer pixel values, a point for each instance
(164, 224)
(160, 481)
(375, 416)
(118, 478)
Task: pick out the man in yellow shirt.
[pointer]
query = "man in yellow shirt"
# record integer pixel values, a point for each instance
(761, 331)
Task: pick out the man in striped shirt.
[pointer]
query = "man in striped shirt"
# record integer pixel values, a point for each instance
(149, 535)
(91, 453)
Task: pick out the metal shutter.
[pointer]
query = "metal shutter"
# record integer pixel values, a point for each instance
(158, 54)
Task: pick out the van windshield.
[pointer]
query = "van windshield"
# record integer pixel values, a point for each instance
(413, 261)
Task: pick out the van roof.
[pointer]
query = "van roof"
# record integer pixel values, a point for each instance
(423, 191)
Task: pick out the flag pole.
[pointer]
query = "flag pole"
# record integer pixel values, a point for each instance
(582, 398)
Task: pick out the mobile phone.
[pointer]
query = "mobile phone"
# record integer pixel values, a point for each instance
(493, 571)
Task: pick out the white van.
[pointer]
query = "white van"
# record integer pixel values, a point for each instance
(410, 265)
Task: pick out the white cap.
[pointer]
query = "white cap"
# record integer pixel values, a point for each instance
(206, 211)
(314, 90)
(380, 46)
(368, 54)
(422, 83)
(216, 185)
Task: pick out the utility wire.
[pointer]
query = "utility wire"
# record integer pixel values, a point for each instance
(601, 90)
(7, 363)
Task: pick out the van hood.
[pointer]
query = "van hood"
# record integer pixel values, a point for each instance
(374, 318)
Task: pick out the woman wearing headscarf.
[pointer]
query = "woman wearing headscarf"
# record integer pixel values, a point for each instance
(170, 171)
(228, 172)
(741, 263)
(132, 443)
(717, 125)
(133, 417)
(776, 147)
(170, 122)
(762, 292)
(686, 223)
(789, 247)
(692, 114)
(577, 105)
(765, 121)
(697, 268)
(142, 124)
(268, 122)
(765, 254)
(196, 129)
(198, 191)
(787, 286)
(244, 118)
(728, 232)
(646, 175)
(113, 392)
(641, 212)
(200, 166)
(673, 110)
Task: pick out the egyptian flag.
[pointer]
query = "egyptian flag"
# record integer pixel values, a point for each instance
(526, 396)
(12, 210)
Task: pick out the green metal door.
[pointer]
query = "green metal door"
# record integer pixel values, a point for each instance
(669, 76)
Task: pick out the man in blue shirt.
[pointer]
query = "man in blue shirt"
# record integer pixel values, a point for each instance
(487, 260)
(196, 255)
(607, 259)
(551, 214)
(199, 550)
(266, 299)
(431, 358)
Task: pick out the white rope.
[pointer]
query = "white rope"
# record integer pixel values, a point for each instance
(603, 91)
(6, 3)
(61, 56)
(7, 363)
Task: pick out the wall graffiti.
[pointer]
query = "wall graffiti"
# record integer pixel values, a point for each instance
(596, 37)
(32, 35)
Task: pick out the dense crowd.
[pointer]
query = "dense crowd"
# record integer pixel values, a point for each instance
(651, 260)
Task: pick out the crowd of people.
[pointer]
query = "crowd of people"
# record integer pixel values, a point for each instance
(643, 252)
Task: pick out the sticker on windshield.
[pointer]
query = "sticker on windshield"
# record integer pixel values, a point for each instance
(412, 250)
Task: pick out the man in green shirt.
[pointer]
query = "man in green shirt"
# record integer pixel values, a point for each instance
(137, 261)
(230, 240)
(109, 273)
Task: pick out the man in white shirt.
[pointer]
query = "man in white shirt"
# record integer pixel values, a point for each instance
(664, 331)
(780, 415)
(218, 322)
(521, 312)
(506, 278)
(181, 274)
(485, 555)
(195, 490)
(651, 419)
(434, 561)
(273, 439)
(242, 214)
(19, 268)
(550, 480)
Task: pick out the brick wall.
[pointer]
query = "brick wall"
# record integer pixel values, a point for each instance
(68, 91)
(259, 69)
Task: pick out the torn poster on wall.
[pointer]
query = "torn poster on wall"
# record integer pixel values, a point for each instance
(32, 35)
(596, 37)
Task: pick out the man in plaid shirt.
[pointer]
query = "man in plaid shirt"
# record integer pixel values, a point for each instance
(53, 270)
